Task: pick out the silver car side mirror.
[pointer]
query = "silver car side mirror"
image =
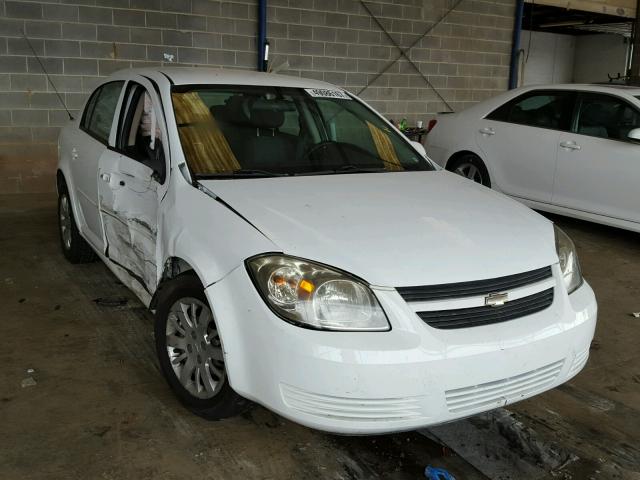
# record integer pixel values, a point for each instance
(634, 135)
(418, 146)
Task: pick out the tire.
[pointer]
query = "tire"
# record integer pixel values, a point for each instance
(472, 167)
(190, 353)
(74, 247)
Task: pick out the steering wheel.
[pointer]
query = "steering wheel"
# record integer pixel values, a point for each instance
(313, 149)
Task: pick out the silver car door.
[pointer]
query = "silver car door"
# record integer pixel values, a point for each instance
(519, 140)
(130, 186)
(89, 144)
(598, 165)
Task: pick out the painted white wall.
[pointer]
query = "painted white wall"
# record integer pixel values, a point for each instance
(597, 55)
(547, 58)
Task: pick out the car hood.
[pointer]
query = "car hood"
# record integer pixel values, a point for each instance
(395, 229)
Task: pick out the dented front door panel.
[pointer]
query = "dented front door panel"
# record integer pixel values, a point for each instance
(129, 212)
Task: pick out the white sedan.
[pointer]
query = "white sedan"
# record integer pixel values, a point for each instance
(299, 252)
(567, 149)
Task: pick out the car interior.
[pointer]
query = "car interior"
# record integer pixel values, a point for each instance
(607, 118)
(224, 131)
(252, 126)
(135, 142)
(539, 111)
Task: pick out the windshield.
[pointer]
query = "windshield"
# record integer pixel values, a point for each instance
(242, 131)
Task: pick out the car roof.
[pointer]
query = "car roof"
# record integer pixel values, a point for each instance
(590, 87)
(218, 76)
(484, 107)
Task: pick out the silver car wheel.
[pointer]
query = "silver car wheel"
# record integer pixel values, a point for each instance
(470, 171)
(194, 348)
(65, 221)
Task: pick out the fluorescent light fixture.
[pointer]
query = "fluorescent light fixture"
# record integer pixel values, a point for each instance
(566, 23)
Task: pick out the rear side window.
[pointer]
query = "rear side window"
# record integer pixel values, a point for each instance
(606, 116)
(544, 109)
(98, 115)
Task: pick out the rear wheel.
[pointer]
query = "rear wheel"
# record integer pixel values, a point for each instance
(190, 351)
(472, 167)
(74, 247)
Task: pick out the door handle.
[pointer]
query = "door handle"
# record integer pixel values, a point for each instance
(74, 153)
(105, 177)
(570, 145)
(487, 131)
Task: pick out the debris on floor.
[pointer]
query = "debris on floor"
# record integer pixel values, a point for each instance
(28, 382)
(434, 473)
(501, 446)
(635, 314)
(111, 301)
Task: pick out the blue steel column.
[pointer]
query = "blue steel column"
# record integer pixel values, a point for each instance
(515, 45)
(262, 33)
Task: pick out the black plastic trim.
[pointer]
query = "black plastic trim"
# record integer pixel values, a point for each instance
(487, 315)
(473, 288)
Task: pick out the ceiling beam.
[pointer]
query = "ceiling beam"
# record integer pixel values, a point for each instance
(621, 8)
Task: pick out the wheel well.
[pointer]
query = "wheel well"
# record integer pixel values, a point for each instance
(60, 181)
(173, 267)
(457, 155)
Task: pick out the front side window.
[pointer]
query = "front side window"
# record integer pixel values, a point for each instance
(260, 131)
(544, 109)
(140, 136)
(98, 116)
(606, 116)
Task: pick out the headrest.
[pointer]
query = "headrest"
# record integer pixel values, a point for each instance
(593, 115)
(266, 118)
(249, 112)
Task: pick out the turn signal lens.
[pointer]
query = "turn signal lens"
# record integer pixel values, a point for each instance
(307, 286)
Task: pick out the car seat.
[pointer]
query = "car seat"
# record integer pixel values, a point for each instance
(250, 125)
(592, 121)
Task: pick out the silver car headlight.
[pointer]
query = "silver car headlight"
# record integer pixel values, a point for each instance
(312, 295)
(569, 265)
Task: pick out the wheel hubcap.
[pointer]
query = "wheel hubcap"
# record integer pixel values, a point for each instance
(194, 348)
(470, 171)
(65, 222)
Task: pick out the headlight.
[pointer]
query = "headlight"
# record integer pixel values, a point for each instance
(316, 296)
(569, 265)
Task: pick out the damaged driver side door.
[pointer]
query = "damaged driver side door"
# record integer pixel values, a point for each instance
(130, 179)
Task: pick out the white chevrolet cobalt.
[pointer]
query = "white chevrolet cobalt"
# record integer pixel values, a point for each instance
(299, 252)
(567, 149)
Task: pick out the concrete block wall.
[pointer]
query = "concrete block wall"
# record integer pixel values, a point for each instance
(465, 57)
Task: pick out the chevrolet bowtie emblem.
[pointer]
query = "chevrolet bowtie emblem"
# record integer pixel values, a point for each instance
(496, 299)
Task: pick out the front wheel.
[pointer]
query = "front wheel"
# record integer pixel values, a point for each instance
(190, 351)
(472, 167)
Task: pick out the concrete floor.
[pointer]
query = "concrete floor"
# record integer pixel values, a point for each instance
(100, 408)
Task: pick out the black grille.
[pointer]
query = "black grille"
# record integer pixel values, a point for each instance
(476, 316)
(468, 289)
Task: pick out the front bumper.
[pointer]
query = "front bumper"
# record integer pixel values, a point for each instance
(410, 377)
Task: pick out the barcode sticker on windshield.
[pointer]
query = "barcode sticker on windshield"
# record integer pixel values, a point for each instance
(326, 93)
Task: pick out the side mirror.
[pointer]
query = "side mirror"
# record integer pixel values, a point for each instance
(634, 135)
(418, 146)
(157, 164)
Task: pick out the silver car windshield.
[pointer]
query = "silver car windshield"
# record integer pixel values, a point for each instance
(242, 131)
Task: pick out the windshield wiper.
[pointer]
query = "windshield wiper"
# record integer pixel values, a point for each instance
(240, 173)
(350, 168)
